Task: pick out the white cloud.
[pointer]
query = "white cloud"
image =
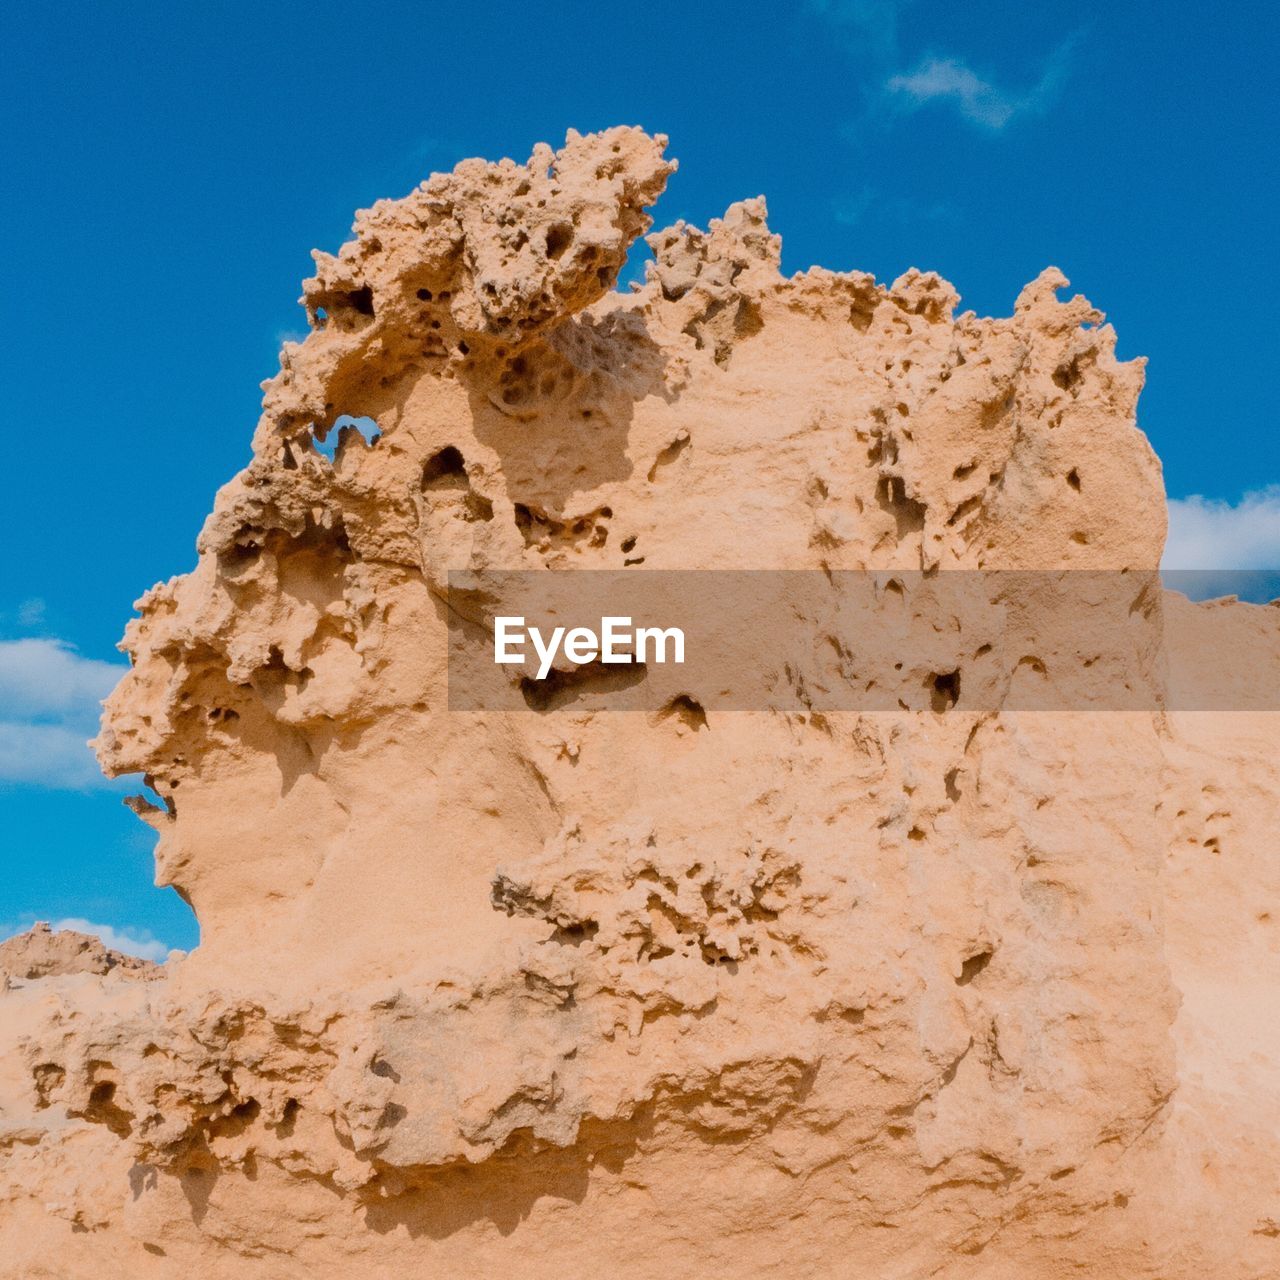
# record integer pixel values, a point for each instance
(128, 940)
(49, 706)
(48, 677)
(946, 78)
(47, 755)
(978, 100)
(1208, 533)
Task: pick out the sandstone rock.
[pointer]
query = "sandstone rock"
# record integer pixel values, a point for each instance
(42, 953)
(947, 991)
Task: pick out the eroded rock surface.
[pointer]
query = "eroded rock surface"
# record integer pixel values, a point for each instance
(936, 992)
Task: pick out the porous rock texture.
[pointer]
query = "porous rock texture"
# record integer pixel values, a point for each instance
(959, 993)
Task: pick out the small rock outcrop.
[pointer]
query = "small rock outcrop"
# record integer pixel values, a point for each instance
(43, 953)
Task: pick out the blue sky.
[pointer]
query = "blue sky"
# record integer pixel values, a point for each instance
(169, 167)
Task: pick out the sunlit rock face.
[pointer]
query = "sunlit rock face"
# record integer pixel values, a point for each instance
(942, 990)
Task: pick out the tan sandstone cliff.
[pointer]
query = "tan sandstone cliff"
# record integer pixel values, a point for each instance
(949, 991)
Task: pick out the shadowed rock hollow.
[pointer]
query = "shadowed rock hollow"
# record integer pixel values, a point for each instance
(967, 993)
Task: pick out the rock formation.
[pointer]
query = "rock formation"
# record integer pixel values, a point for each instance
(43, 953)
(930, 992)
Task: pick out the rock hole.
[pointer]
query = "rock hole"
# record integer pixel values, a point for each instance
(361, 300)
(559, 237)
(1067, 375)
(48, 1077)
(478, 507)
(973, 966)
(668, 455)
(325, 445)
(103, 1109)
(689, 711)
(365, 427)
(445, 469)
(945, 691)
(576, 934)
(524, 522)
(908, 514)
(245, 549)
(1073, 479)
(968, 506)
(330, 442)
(288, 1118)
(563, 687)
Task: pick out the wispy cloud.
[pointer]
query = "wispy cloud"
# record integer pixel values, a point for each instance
(31, 612)
(875, 33)
(946, 78)
(126, 939)
(1208, 533)
(874, 24)
(49, 704)
(28, 615)
(979, 101)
